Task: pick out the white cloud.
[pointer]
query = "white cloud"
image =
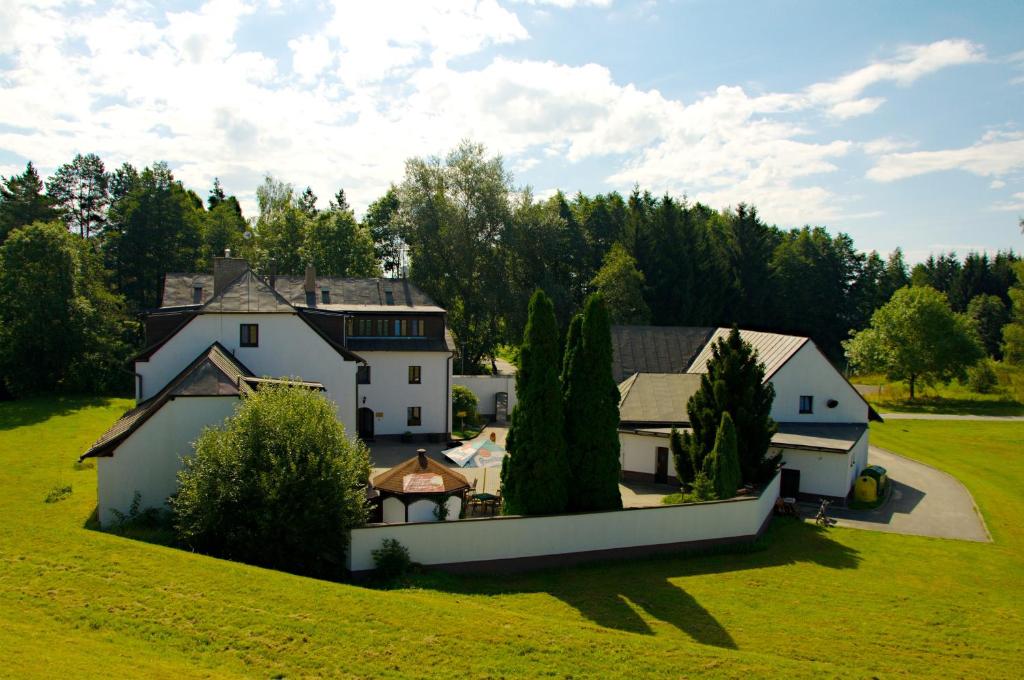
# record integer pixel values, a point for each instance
(310, 56)
(995, 154)
(567, 4)
(886, 145)
(1014, 205)
(996, 184)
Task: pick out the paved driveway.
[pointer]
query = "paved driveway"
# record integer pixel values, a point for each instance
(949, 416)
(924, 502)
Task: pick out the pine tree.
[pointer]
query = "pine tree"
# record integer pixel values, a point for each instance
(535, 475)
(722, 466)
(23, 202)
(734, 382)
(592, 412)
(682, 458)
(81, 190)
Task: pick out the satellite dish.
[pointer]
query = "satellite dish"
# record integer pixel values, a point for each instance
(247, 235)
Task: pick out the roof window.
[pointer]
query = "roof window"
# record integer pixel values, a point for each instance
(389, 297)
(197, 294)
(325, 296)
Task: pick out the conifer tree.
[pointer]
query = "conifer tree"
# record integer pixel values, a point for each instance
(682, 458)
(534, 476)
(734, 382)
(592, 412)
(23, 202)
(722, 466)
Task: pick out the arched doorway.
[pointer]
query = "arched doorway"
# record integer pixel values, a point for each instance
(364, 424)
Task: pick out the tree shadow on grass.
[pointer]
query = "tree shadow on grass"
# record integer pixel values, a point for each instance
(612, 594)
(34, 410)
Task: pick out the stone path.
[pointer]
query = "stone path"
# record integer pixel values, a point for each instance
(924, 502)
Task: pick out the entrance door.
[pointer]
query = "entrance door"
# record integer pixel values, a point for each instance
(661, 466)
(364, 424)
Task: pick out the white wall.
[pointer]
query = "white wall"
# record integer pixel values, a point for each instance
(148, 461)
(827, 474)
(809, 372)
(639, 453)
(474, 540)
(486, 386)
(288, 348)
(389, 392)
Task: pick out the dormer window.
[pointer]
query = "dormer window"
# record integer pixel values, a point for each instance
(389, 297)
(325, 296)
(197, 294)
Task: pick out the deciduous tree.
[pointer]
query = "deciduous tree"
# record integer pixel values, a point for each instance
(621, 285)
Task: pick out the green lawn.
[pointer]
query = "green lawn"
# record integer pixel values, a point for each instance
(1005, 400)
(75, 602)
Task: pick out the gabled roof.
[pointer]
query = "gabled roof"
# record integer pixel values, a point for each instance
(248, 293)
(655, 349)
(773, 349)
(214, 373)
(395, 479)
(656, 398)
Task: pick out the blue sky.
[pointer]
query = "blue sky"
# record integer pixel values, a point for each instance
(898, 123)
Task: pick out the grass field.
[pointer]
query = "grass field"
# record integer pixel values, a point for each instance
(843, 603)
(1007, 399)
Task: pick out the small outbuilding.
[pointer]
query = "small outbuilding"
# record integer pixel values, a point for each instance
(413, 491)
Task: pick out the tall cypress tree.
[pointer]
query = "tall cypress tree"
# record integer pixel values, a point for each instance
(734, 383)
(592, 412)
(722, 466)
(682, 457)
(535, 474)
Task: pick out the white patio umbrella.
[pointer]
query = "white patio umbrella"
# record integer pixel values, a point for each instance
(479, 454)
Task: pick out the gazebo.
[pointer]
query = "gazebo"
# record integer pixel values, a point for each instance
(411, 491)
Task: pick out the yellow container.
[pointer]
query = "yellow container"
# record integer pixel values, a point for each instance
(866, 489)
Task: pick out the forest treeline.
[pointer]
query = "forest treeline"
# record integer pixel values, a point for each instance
(460, 229)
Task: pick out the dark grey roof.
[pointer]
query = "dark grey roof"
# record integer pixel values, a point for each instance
(248, 293)
(773, 349)
(833, 437)
(656, 398)
(214, 373)
(345, 293)
(655, 349)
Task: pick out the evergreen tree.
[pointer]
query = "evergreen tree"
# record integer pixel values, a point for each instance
(734, 383)
(340, 201)
(307, 203)
(23, 202)
(217, 195)
(988, 314)
(681, 456)
(592, 413)
(722, 465)
(81, 190)
(535, 474)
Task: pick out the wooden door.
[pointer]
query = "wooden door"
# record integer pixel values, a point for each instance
(661, 466)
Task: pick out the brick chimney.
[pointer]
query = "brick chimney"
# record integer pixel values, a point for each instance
(226, 270)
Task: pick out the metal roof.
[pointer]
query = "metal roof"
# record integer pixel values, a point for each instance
(248, 293)
(655, 349)
(773, 349)
(832, 437)
(656, 398)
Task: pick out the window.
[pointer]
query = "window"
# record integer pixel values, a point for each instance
(363, 375)
(365, 327)
(382, 328)
(806, 404)
(197, 294)
(249, 335)
(401, 327)
(416, 328)
(325, 296)
(414, 375)
(389, 297)
(414, 416)
(310, 298)
(349, 330)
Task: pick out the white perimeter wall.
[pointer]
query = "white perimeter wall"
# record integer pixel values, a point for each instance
(389, 392)
(639, 453)
(288, 348)
(809, 372)
(474, 540)
(485, 387)
(149, 460)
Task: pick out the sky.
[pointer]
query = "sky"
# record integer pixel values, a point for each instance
(899, 123)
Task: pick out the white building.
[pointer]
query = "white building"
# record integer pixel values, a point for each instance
(822, 419)
(379, 348)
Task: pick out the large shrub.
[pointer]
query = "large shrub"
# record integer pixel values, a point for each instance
(464, 401)
(278, 486)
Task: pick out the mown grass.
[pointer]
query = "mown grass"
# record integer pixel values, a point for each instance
(1007, 399)
(77, 602)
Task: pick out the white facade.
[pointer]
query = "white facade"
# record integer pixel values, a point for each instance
(498, 538)
(809, 373)
(638, 453)
(148, 461)
(390, 394)
(825, 473)
(288, 348)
